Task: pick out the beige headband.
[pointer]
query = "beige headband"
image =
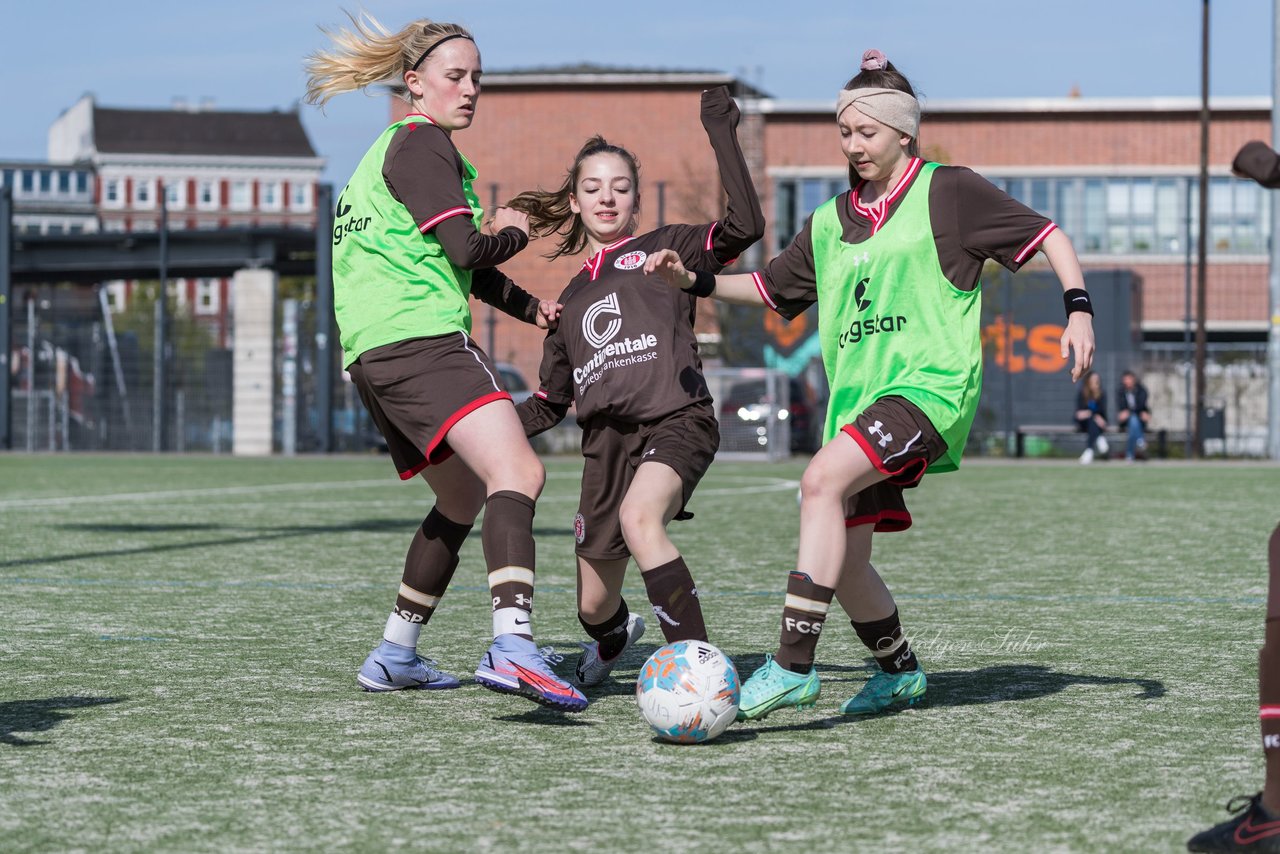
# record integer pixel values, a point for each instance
(891, 107)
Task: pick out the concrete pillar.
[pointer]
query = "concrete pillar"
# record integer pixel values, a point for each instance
(253, 298)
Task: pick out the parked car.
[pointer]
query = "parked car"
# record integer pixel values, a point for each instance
(749, 402)
(513, 382)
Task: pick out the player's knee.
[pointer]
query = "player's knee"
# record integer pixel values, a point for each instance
(639, 523)
(817, 484)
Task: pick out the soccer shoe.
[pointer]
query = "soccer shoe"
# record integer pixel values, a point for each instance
(887, 690)
(1087, 456)
(1250, 830)
(773, 687)
(1102, 445)
(592, 669)
(392, 667)
(513, 665)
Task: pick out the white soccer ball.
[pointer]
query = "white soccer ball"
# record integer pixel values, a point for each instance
(688, 691)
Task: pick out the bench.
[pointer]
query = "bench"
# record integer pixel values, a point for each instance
(1157, 440)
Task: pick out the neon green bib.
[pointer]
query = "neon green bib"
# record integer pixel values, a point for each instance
(390, 281)
(891, 324)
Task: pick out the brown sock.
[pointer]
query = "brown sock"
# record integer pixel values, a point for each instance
(429, 566)
(803, 616)
(675, 601)
(887, 643)
(508, 551)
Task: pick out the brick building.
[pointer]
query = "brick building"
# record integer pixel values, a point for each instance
(1116, 174)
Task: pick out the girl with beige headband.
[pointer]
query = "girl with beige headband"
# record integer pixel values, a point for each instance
(409, 251)
(893, 265)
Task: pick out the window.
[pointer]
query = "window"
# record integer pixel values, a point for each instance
(205, 195)
(175, 194)
(1143, 215)
(111, 192)
(241, 196)
(7, 177)
(300, 196)
(269, 198)
(82, 182)
(207, 296)
(28, 181)
(46, 181)
(116, 296)
(142, 193)
(64, 182)
(797, 197)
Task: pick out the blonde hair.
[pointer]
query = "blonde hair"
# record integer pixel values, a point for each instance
(549, 211)
(371, 54)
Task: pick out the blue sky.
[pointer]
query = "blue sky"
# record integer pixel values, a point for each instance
(249, 55)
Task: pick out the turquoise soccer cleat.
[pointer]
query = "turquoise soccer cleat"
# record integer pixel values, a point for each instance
(887, 691)
(773, 687)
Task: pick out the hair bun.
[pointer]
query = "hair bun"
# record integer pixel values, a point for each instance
(874, 60)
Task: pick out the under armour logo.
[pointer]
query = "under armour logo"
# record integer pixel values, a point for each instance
(885, 438)
(524, 601)
(649, 453)
(1270, 742)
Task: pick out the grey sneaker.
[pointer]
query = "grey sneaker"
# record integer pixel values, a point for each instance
(592, 669)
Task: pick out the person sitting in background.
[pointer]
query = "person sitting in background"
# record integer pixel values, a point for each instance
(1091, 415)
(1133, 415)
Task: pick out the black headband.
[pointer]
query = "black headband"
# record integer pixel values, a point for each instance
(427, 52)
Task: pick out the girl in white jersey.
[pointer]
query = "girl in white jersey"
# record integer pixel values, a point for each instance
(894, 266)
(408, 251)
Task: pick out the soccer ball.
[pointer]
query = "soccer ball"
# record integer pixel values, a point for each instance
(688, 692)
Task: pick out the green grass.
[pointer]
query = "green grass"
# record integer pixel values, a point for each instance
(179, 638)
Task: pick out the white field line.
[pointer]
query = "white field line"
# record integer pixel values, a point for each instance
(756, 485)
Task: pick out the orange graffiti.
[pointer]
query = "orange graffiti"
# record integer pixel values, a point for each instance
(787, 334)
(1041, 343)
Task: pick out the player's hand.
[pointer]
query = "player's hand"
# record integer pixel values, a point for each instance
(666, 263)
(718, 106)
(506, 218)
(548, 316)
(1078, 336)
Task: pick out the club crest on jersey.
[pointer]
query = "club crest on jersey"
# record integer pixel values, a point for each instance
(579, 528)
(630, 261)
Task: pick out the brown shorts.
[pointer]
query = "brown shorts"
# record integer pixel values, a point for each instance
(417, 389)
(685, 440)
(901, 442)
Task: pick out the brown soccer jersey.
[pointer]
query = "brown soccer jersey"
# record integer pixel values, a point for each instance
(625, 346)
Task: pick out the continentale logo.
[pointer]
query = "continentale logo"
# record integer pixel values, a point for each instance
(601, 323)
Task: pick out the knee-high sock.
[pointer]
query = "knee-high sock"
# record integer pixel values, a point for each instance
(428, 568)
(675, 601)
(803, 616)
(508, 552)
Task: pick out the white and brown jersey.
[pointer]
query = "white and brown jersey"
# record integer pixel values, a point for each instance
(973, 221)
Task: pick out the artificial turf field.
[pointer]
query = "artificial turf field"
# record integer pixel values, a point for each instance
(179, 638)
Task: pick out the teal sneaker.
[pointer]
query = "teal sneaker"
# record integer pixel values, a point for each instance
(773, 686)
(886, 691)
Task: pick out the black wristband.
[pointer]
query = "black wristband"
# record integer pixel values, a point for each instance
(704, 284)
(1077, 299)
